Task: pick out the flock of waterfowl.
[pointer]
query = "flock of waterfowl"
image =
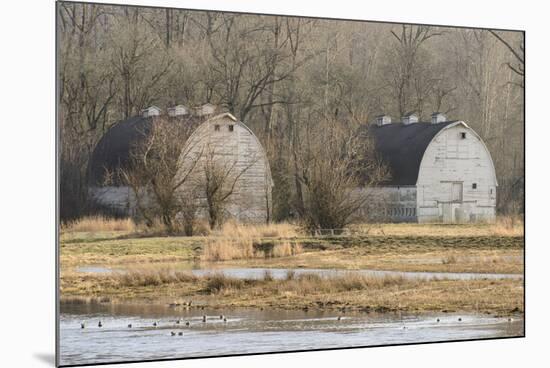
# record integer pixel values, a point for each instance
(156, 324)
(224, 319)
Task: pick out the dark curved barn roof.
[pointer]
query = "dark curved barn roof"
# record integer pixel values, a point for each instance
(402, 147)
(113, 149)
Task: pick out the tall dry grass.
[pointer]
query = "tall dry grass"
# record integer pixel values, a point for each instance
(230, 229)
(229, 249)
(239, 241)
(234, 229)
(219, 282)
(508, 226)
(313, 283)
(286, 249)
(502, 226)
(305, 284)
(151, 277)
(226, 249)
(98, 224)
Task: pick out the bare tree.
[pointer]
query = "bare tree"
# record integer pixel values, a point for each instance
(280, 76)
(244, 65)
(336, 166)
(409, 78)
(154, 174)
(87, 89)
(518, 52)
(140, 65)
(220, 182)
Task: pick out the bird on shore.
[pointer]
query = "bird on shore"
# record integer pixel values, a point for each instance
(510, 319)
(100, 324)
(224, 319)
(189, 303)
(339, 318)
(221, 316)
(172, 333)
(459, 319)
(187, 323)
(155, 324)
(437, 320)
(204, 318)
(180, 333)
(129, 325)
(82, 325)
(178, 321)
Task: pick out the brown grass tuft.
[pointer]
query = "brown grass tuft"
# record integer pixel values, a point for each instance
(306, 284)
(228, 249)
(508, 226)
(219, 282)
(233, 229)
(98, 224)
(286, 249)
(153, 277)
(237, 241)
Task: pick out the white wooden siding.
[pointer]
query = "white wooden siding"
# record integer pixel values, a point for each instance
(451, 161)
(389, 204)
(251, 199)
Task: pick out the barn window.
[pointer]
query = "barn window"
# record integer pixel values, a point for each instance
(474, 186)
(217, 127)
(231, 127)
(463, 135)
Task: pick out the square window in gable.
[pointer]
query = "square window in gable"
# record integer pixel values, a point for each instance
(474, 186)
(463, 135)
(231, 128)
(217, 127)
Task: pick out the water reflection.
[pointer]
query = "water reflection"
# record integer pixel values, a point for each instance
(281, 273)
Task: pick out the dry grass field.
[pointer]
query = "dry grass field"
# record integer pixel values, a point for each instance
(153, 266)
(494, 248)
(351, 292)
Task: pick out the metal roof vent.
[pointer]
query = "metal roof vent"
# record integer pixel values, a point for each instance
(205, 110)
(383, 120)
(150, 111)
(438, 117)
(179, 110)
(410, 118)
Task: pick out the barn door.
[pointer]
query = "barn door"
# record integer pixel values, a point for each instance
(447, 212)
(456, 192)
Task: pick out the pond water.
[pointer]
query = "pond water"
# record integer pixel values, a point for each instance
(281, 273)
(250, 331)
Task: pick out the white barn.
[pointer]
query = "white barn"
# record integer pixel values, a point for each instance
(441, 171)
(231, 140)
(237, 152)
